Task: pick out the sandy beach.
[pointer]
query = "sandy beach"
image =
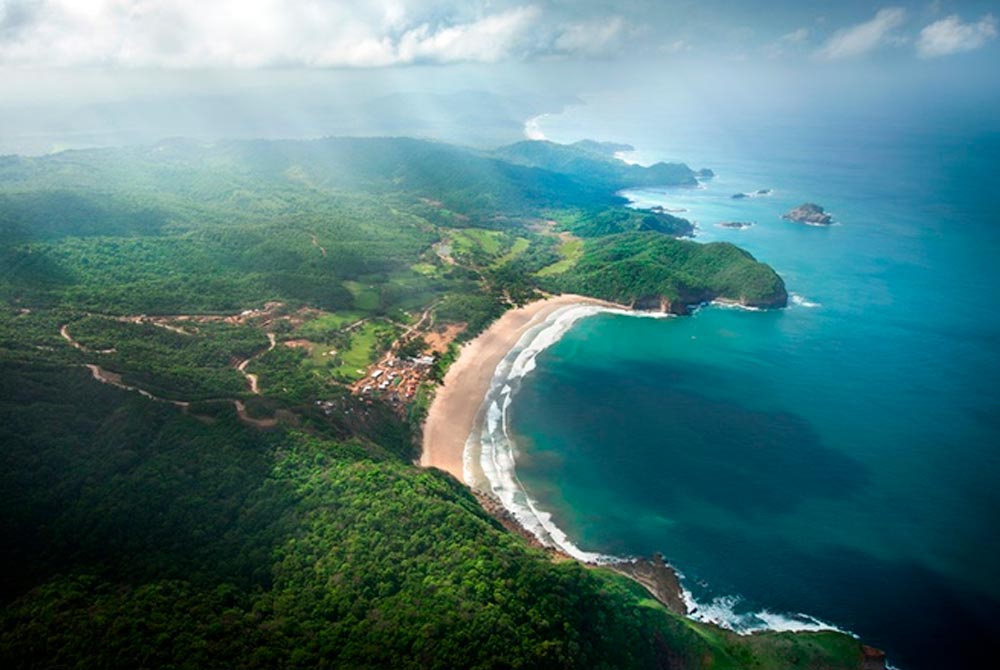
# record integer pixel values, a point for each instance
(452, 415)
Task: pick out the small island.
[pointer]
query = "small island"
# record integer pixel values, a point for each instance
(735, 225)
(810, 214)
(755, 194)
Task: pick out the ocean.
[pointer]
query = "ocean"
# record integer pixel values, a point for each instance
(832, 464)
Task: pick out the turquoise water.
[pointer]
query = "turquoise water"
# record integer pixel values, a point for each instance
(839, 458)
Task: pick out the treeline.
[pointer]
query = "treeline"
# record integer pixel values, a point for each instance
(614, 220)
(593, 163)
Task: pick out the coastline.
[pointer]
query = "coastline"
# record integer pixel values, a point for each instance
(453, 414)
(458, 421)
(465, 434)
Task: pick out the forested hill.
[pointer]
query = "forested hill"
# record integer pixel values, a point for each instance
(478, 184)
(597, 162)
(199, 467)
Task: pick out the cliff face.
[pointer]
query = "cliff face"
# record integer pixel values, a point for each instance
(872, 658)
(777, 299)
(682, 305)
(659, 579)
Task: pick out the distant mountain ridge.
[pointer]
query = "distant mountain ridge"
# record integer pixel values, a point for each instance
(596, 162)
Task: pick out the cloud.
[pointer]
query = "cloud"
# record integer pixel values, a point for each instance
(796, 36)
(864, 37)
(597, 36)
(267, 33)
(489, 39)
(793, 41)
(675, 47)
(950, 36)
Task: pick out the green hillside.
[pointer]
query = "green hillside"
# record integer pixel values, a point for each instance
(230, 496)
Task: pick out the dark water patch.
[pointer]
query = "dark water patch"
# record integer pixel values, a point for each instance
(924, 620)
(646, 435)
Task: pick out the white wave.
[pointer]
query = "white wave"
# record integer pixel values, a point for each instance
(804, 302)
(533, 128)
(721, 611)
(490, 463)
(493, 452)
(735, 305)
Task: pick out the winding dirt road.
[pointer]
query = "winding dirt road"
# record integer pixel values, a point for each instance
(252, 379)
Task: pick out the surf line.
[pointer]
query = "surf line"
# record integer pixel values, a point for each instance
(489, 466)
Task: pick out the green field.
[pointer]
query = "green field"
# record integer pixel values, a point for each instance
(570, 252)
(326, 325)
(520, 245)
(366, 296)
(361, 352)
(475, 245)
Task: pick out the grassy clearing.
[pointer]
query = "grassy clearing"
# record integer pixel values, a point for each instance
(359, 355)
(473, 241)
(425, 269)
(520, 245)
(366, 297)
(320, 356)
(570, 250)
(322, 327)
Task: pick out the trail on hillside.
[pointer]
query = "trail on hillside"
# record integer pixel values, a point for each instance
(64, 332)
(251, 378)
(316, 244)
(115, 379)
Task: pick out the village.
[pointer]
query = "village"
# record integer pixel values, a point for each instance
(397, 376)
(395, 379)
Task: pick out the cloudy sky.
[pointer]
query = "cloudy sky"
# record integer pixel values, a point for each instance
(55, 52)
(193, 34)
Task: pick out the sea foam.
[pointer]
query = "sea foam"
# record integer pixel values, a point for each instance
(804, 302)
(722, 611)
(489, 459)
(490, 464)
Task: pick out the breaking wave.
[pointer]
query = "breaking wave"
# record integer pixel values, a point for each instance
(804, 302)
(490, 456)
(490, 464)
(722, 611)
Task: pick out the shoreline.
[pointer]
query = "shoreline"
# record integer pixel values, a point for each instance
(465, 435)
(456, 413)
(453, 414)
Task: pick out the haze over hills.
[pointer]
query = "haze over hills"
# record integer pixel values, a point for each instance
(319, 348)
(162, 271)
(478, 118)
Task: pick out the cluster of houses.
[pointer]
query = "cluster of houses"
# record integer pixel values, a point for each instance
(396, 379)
